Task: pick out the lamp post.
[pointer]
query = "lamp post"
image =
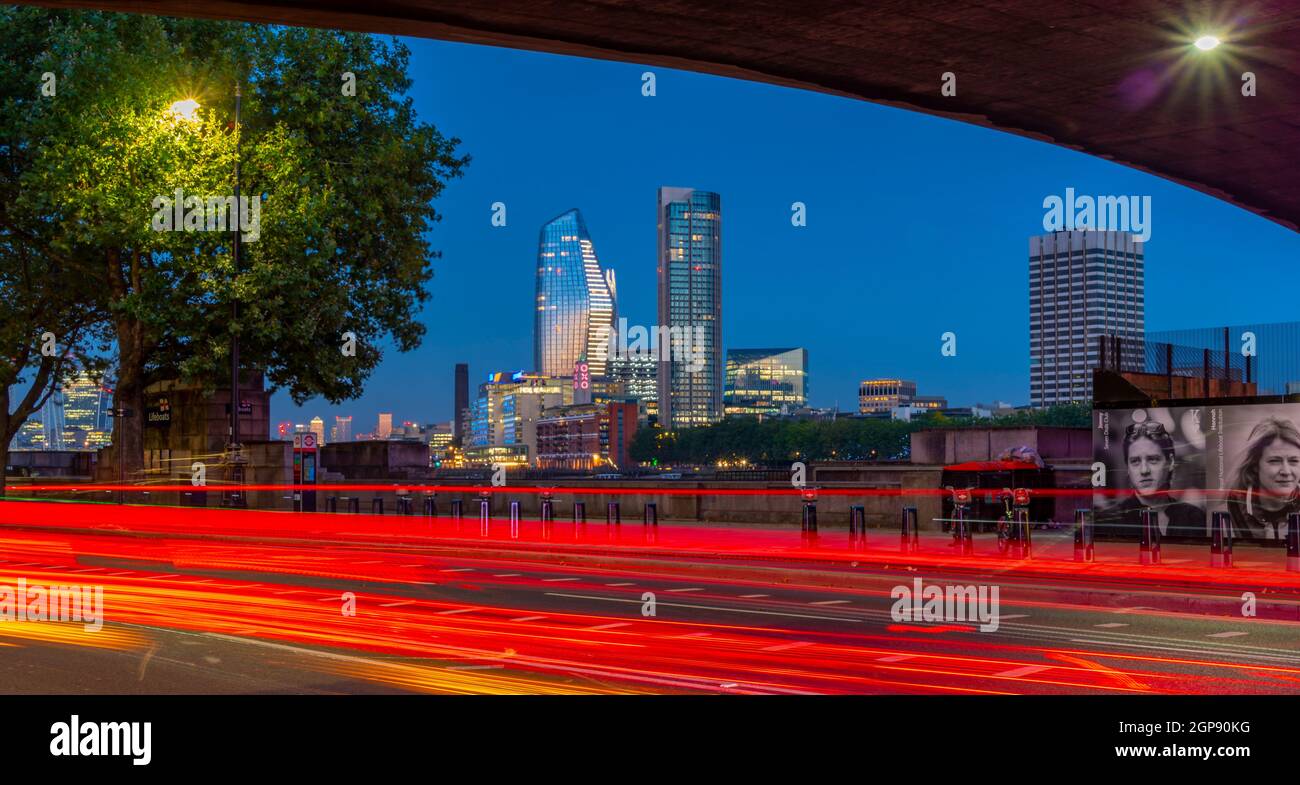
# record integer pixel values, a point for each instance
(234, 449)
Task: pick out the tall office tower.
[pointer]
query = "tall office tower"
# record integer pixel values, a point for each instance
(52, 417)
(576, 300)
(342, 428)
(1082, 284)
(385, 428)
(461, 403)
(86, 403)
(317, 426)
(690, 307)
(765, 381)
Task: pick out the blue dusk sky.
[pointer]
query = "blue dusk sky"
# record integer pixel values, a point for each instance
(916, 226)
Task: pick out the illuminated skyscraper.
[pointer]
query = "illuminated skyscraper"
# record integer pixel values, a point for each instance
(85, 405)
(576, 300)
(317, 427)
(342, 429)
(385, 428)
(690, 306)
(1082, 284)
(766, 381)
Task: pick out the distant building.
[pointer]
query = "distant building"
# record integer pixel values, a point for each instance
(576, 300)
(505, 413)
(637, 376)
(587, 436)
(460, 402)
(765, 382)
(690, 303)
(1082, 285)
(877, 396)
(317, 427)
(342, 429)
(385, 429)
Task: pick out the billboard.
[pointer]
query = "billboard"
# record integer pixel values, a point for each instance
(1187, 462)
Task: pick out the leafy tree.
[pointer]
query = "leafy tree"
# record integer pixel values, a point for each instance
(345, 183)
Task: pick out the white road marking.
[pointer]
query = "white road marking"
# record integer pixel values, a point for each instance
(895, 658)
(830, 602)
(559, 580)
(473, 667)
(694, 635)
(291, 591)
(1225, 634)
(702, 607)
(408, 566)
(506, 575)
(784, 646)
(684, 590)
(459, 569)
(611, 625)
(1110, 625)
(528, 618)
(753, 596)
(457, 610)
(396, 604)
(620, 584)
(1005, 616)
(1016, 673)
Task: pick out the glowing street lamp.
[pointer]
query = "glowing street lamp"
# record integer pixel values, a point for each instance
(186, 110)
(1207, 42)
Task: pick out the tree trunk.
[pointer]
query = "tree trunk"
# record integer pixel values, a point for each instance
(128, 431)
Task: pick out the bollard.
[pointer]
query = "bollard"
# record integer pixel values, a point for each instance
(457, 509)
(612, 514)
(332, 504)
(1149, 537)
(404, 506)
(808, 529)
(514, 520)
(354, 505)
(548, 516)
(377, 506)
(650, 517)
(1293, 542)
(484, 514)
(1220, 540)
(857, 525)
(430, 506)
(580, 513)
(910, 539)
(1083, 545)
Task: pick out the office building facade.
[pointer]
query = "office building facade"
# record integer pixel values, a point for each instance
(1082, 284)
(765, 382)
(889, 395)
(690, 307)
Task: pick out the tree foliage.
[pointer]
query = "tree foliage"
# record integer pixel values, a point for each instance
(346, 185)
(780, 441)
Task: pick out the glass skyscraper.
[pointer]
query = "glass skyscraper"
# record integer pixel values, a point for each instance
(576, 300)
(690, 306)
(1082, 284)
(765, 381)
